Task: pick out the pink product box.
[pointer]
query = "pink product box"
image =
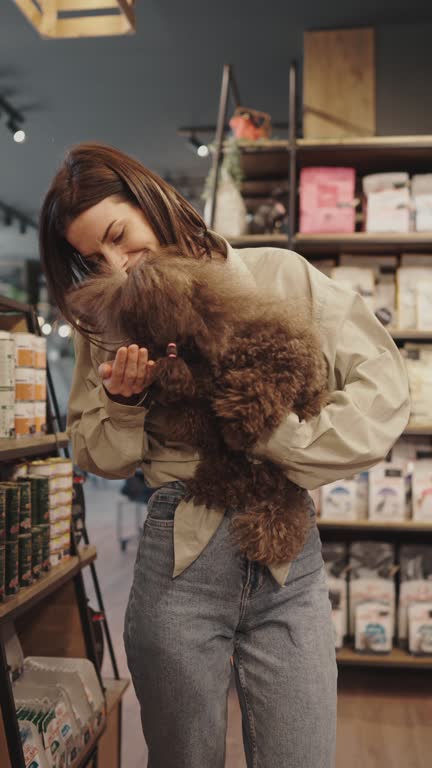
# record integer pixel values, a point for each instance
(327, 200)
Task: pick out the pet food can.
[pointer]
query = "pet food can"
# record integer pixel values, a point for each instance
(40, 351)
(7, 360)
(24, 419)
(39, 499)
(2, 572)
(25, 384)
(25, 514)
(24, 350)
(25, 559)
(45, 529)
(19, 470)
(12, 492)
(37, 551)
(2, 516)
(62, 466)
(11, 568)
(7, 420)
(40, 417)
(40, 384)
(56, 551)
(7, 396)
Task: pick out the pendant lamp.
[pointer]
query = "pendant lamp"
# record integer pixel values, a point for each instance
(79, 18)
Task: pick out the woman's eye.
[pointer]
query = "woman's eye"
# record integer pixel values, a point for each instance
(118, 238)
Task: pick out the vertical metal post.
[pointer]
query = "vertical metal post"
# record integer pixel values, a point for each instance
(10, 722)
(220, 131)
(292, 143)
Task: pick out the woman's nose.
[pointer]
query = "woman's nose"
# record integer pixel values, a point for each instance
(115, 257)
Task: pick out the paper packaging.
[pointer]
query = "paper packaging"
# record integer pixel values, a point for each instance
(327, 200)
(418, 360)
(421, 188)
(357, 279)
(388, 202)
(338, 500)
(65, 728)
(373, 628)
(420, 628)
(86, 673)
(424, 305)
(408, 281)
(33, 749)
(371, 565)
(335, 561)
(416, 582)
(422, 490)
(387, 492)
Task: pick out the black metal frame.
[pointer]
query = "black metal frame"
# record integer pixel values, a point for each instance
(229, 87)
(7, 704)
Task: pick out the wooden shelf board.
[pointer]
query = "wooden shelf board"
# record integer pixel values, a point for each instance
(263, 145)
(83, 757)
(410, 334)
(364, 143)
(253, 241)
(414, 429)
(373, 525)
(46, 584)
(396, 658)
(16, 448)
(114, 691)
(364, 241)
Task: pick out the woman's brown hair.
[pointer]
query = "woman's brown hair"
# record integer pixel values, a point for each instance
(89, 174)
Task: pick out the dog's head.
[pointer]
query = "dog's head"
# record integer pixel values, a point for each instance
(164, 298)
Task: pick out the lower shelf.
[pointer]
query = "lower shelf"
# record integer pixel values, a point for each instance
(347, 657)
(114, 690)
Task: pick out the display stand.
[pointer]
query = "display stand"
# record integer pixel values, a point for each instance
(51, 617)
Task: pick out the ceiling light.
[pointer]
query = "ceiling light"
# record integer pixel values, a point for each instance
(19, 136)
(69, 18)
(201, 149)
(64, 331)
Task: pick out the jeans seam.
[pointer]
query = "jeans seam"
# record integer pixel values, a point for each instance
(250, 718)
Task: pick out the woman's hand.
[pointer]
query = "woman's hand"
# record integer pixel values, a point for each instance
(129, 374)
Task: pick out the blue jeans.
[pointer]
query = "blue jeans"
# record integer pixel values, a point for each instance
(180, 634)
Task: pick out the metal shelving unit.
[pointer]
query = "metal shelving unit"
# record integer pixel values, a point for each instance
(51, 617)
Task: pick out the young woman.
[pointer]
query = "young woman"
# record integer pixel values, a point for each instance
(195, 602)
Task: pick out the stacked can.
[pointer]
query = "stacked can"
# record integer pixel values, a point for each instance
(2, 542)
(7, 385)
(11, 493)
(25, 423)
(58, 473)
(40, 527)
(40, 361)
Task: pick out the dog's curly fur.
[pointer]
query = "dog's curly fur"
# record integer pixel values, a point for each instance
(244, 362)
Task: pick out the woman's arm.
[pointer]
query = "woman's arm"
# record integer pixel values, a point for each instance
(108, 439)
(370, 402)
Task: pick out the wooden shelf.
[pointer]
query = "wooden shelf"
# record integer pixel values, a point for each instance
(114, 691)
(16, 448)
(410, 334)
(254, 241)
(47, 584)
(403, 526)
(368, 143)
(347, 657)
(84, 756)
(425, 430)
(362, 242)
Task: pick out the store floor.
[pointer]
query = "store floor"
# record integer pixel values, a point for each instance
(385, 717)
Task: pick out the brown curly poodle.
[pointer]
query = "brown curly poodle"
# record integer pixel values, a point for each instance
(230, 365)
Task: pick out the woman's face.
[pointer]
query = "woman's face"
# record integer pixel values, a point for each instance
(113, 231)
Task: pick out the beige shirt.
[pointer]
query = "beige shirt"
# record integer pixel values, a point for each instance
(369, 406)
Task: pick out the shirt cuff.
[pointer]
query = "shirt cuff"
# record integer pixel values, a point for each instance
(277, 446)
(123, 413)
